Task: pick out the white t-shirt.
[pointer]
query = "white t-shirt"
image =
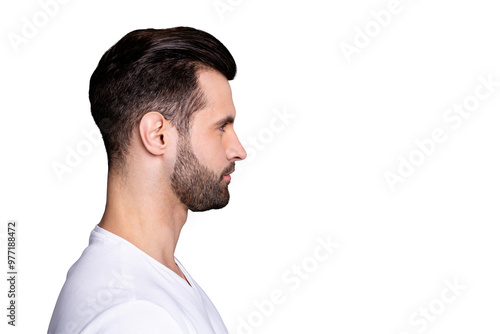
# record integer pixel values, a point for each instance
(116, 288)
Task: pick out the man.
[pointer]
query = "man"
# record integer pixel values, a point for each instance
(162, 101)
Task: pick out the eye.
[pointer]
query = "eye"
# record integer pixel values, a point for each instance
(223, 126)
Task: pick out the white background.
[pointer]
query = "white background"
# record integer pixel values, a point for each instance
(320, 176)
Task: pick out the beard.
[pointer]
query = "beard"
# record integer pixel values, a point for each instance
(196, 186)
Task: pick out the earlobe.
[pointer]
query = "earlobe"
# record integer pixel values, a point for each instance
(154, 132)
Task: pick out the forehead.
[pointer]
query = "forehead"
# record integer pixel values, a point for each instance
(217, 92)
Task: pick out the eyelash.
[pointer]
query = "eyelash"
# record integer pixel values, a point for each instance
(222, 127)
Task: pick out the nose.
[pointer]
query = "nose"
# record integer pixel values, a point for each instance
(235, 151)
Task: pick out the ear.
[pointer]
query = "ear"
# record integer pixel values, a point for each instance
(155, 132)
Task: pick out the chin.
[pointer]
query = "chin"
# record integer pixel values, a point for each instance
(213, 206)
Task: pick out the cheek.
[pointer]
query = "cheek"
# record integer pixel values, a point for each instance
(210, 153)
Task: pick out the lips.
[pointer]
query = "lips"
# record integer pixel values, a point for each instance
(226, 175)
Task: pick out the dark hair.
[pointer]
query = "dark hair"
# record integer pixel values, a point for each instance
(152, 70)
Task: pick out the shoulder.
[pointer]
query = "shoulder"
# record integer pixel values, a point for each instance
(136, 316)
(102, 271)
(99, 280)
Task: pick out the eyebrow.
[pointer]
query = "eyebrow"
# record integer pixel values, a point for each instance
(228, 119)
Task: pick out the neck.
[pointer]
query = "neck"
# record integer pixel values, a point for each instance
(140, 213)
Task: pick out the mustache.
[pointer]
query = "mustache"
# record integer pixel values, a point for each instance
(229, 169)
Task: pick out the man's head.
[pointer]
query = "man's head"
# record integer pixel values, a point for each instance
(158, 97)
